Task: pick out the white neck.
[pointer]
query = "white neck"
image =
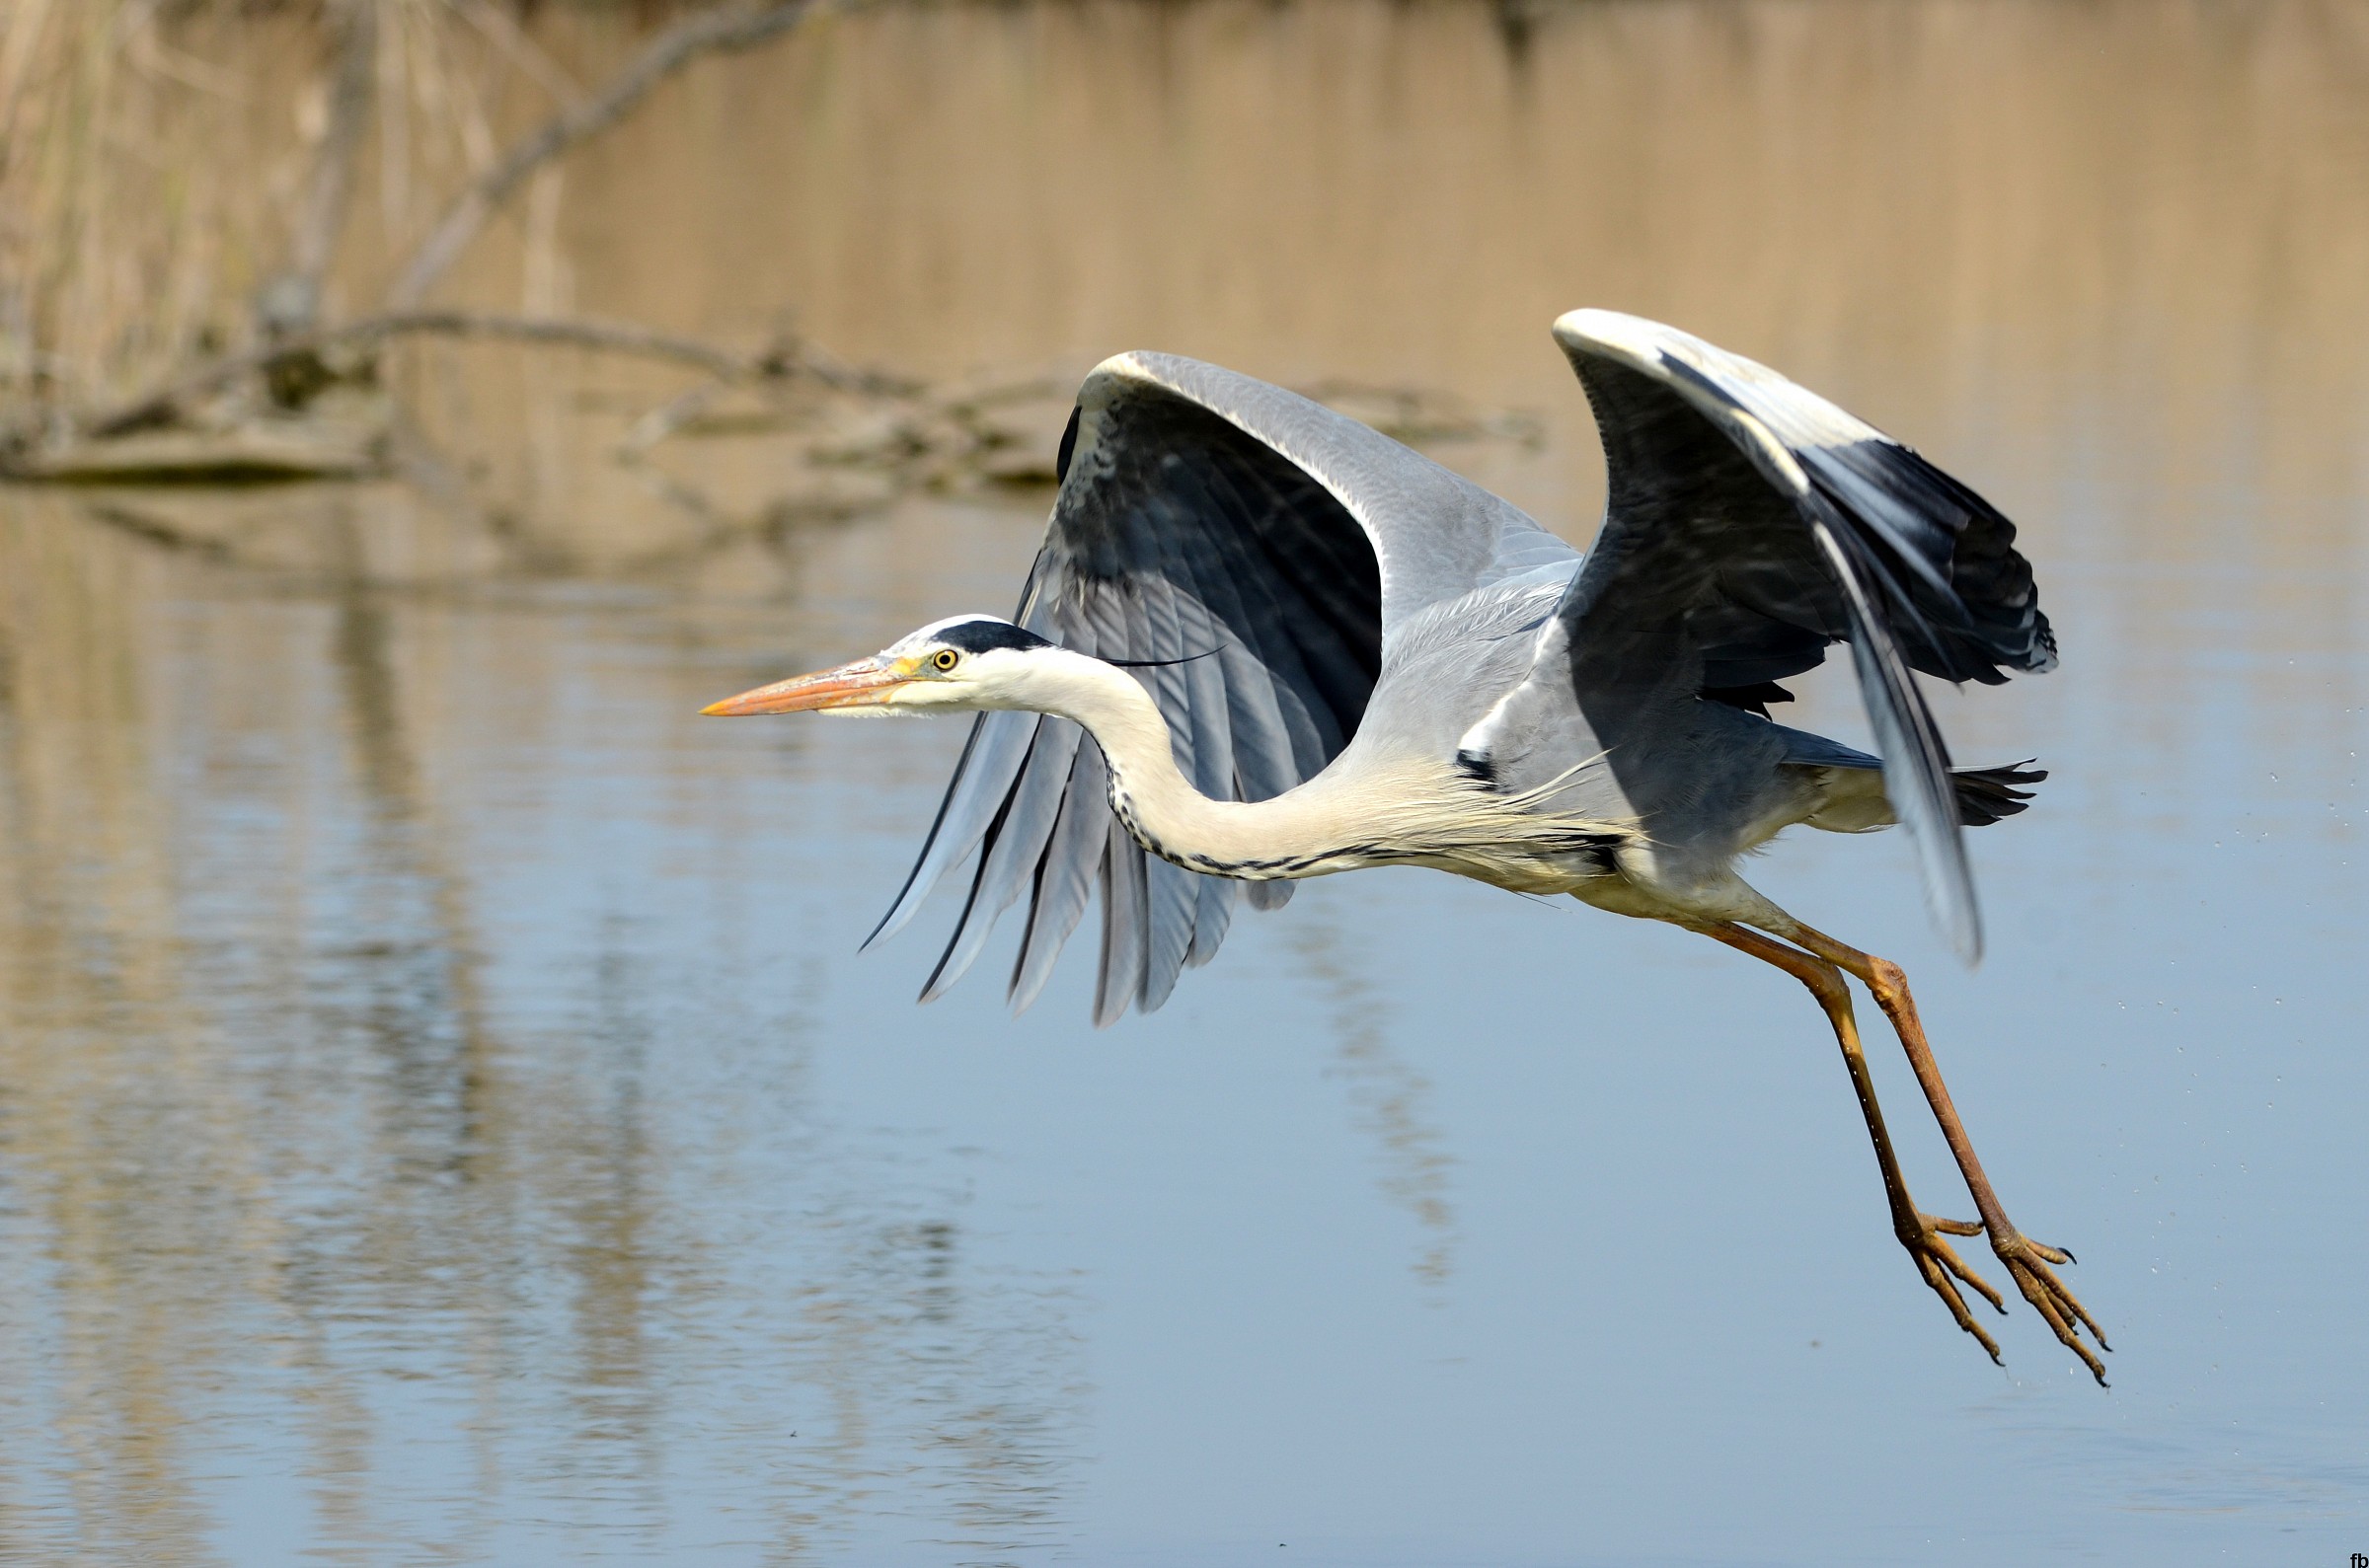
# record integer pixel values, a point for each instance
(1294, 835)
(1372, 805)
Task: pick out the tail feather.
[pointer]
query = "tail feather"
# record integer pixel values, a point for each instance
(1985, 795)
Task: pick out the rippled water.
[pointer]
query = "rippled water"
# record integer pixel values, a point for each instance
(443, 1117)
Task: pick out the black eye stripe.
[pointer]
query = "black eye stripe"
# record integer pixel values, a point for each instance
(978, 636)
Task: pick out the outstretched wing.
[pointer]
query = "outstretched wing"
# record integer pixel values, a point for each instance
(1249, 553)
(1750, 523)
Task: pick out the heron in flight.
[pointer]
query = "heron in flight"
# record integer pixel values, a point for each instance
(1262, 642)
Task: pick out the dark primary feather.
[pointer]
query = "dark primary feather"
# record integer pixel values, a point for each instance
(1750, 526)
(1753, 699)
(1694, 529)
(1247, 599)
(1245, 554)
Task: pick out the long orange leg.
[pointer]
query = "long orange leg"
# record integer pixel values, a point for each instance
(2025, 1259)
(1920, 1233)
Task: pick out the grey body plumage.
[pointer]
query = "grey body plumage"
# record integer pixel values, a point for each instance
(1332, 600)
(1262, 642)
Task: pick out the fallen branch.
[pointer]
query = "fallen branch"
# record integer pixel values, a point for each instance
(166, 404)
(707, 32)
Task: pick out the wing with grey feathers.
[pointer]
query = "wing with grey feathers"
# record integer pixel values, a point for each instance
(1750, 523)
(1249, 552)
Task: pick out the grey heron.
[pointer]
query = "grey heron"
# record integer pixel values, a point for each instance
(1262, 642)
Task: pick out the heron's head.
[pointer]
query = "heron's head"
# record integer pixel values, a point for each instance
(964, 663)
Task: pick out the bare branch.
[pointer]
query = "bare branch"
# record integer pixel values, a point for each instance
(707, 32)
(779, 362)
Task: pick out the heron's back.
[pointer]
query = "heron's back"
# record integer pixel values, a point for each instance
(1451, 662)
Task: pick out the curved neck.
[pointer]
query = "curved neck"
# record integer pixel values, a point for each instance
(1374, 804)
(1283, 836)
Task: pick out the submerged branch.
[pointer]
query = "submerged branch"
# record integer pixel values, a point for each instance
(706, 33)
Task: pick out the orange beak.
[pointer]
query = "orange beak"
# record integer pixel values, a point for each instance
(863, 684)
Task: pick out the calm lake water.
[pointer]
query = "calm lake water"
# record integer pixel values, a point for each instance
(443, 1116)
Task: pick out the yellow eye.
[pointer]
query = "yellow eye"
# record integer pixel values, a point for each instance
(945, 658)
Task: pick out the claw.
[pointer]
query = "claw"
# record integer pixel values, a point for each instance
(1955, 1266)
(1938, 1261)
(1939, 1280)
(2028, 1263)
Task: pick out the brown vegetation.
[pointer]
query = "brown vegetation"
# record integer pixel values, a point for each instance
(102, 294)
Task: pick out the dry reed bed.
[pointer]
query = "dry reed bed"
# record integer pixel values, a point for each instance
(181, 183)
(124, 256)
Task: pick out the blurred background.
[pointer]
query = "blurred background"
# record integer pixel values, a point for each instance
(443, 1116)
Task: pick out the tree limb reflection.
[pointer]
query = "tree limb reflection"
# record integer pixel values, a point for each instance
(1388, 1099)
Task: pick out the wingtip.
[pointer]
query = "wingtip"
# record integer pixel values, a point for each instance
(1956, 913)
(900, 913)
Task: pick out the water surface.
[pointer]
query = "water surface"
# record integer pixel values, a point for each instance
(443, 1116)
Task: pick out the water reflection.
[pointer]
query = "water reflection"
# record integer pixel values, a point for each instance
(1393, 1101)
(439, 1115)
(311, 1172)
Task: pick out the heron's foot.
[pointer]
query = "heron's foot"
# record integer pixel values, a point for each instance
(2028, 1262)
(1943, 1269)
